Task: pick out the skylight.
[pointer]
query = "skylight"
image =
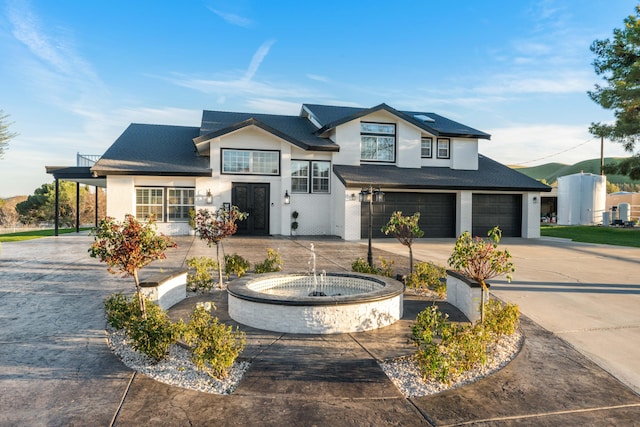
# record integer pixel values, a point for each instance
(424, 118)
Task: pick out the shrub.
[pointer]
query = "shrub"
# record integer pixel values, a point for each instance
(501, 318)
(154, 335)
(271, 264)
(235, 264)
(360, 265)
(215, 346)
(120, 310)
(427, 275)
(447, 349)
(202, 276)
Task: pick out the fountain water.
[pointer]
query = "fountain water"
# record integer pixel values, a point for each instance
(299, 303)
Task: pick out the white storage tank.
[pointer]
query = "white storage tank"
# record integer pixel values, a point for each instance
(624, 212)
(581, 199)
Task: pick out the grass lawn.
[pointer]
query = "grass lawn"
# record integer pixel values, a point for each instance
(34, 234)
(593, 234)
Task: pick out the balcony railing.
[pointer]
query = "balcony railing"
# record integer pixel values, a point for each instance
(87, 159)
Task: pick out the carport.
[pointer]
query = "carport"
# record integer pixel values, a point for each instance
(79, 175)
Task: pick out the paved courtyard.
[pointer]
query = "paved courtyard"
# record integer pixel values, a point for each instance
(579, 364)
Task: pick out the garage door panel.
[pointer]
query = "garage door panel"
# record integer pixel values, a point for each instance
(437, 213)
(502, 210)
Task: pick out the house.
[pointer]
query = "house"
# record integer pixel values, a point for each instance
(317, 163)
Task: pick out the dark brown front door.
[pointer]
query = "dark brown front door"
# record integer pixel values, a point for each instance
(254, 199)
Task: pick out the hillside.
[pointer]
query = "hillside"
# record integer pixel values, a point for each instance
(551, 171)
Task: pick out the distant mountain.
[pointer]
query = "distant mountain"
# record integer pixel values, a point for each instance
(551, 171)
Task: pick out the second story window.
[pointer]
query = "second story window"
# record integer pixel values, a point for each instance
(252, 162)
(377, 142)
(444, 148)
(426, 148)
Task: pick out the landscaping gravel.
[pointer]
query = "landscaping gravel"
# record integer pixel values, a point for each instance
(178, 370)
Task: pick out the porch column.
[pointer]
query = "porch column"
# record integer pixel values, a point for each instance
(57, 209)
(96, 206)
(77, 207)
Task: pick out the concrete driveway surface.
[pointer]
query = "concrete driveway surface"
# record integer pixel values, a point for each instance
(56, 369)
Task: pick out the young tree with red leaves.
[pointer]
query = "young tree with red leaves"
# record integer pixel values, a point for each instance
(128, 246)
(213, 227)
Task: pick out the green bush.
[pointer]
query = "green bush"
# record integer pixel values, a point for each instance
(235, 264)
(154, 335)
(120, 310)
(427, 275)
(445, 350)
(271, 264)
(215, 346)
(501, 319)
(201, 277)
(360, 265)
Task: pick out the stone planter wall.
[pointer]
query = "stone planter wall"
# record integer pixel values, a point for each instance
(464, 294)
(166, 290)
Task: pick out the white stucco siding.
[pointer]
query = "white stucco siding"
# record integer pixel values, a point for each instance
(408, 146)
(464, 212)
(531, 215)
(120, 196)
(464, 154)
(348, 137)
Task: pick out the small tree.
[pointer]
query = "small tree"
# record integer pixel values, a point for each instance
(480, 260)
(405, 229)
(213, 227)
(128, 246)
(5, 135)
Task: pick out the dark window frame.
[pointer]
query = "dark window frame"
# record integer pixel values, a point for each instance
(310, 177)
(250, 150)
(430, 140)
(393, 135)
(448, 141)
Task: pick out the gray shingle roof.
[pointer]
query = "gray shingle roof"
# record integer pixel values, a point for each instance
(490, 175)
(297, 130)
(144, 149)
(331, 116)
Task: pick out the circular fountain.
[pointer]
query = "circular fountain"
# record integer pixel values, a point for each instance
(328, 303)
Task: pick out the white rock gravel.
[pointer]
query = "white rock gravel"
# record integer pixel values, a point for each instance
(178, 370)
(405, 374)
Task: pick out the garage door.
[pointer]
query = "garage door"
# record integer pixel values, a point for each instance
(503, 210)
(437, 213)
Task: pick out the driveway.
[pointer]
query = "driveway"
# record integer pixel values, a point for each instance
(589, 295)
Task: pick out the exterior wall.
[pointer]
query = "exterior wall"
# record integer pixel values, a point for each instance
(464, 154)
(531, 215)
(352, 215)
(464, 207)
(120, 196)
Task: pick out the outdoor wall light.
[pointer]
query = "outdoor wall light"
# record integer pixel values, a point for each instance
(287, 198)
(535, 199)
(350, 197)
(209, 198)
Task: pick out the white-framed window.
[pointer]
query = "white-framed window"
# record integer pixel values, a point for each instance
(149, 201)
(377, 142)
(310, 176)
(299, 176)
(252, 162)
(320, 182)
(171, 204)
(426, 147)
(444, 148)
(179, 202)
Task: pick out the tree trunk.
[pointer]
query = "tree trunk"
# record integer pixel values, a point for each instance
(141, 300)
(410, 260)
(219, 265)
(484, 289)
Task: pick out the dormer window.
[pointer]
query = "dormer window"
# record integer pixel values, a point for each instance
(444, 148)
(377, 142)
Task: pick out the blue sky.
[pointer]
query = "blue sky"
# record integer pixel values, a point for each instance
(74, 74)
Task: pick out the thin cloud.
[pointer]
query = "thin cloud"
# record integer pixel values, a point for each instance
(257, 59)
(232, 18)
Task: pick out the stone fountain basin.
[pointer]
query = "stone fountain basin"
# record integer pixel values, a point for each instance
(280, 302)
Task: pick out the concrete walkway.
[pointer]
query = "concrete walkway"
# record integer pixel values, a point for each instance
(55, 367)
